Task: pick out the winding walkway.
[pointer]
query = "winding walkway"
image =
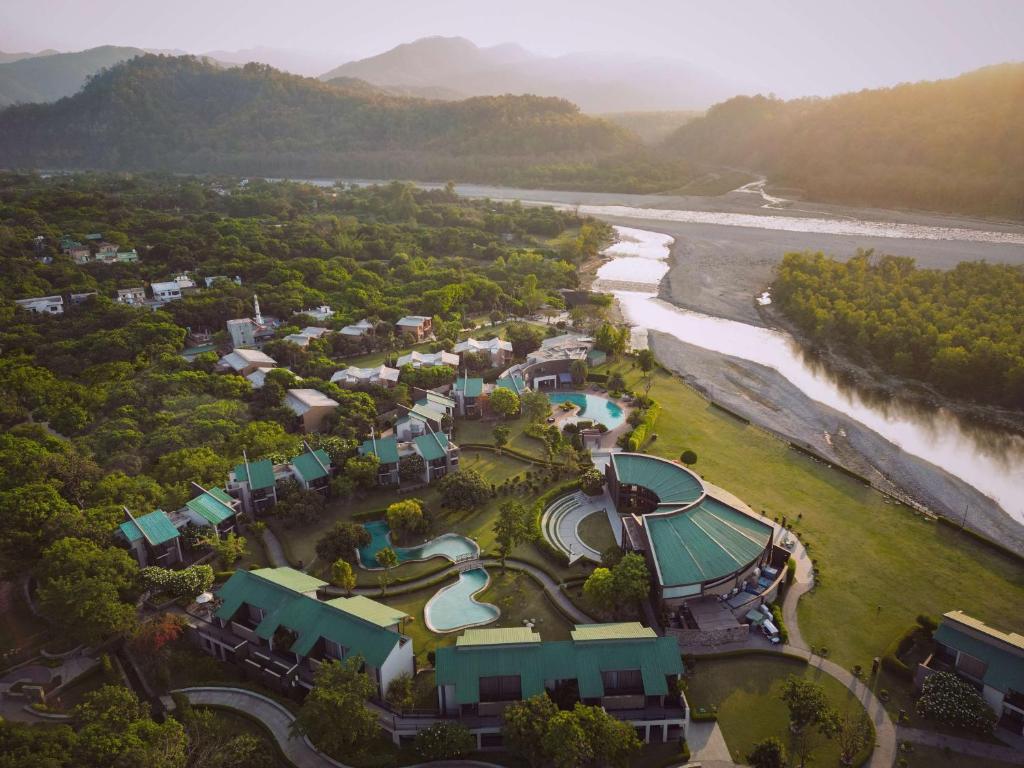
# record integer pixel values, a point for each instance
(549, 584)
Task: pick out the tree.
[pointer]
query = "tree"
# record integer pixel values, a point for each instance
(599, 590)
(948, 699)
(212, 743)
(592, 482)
(645, 358)
(525, 727)
(399, 693)
(853, 733)
(578, 369)
(536, 406)
(229, 548)
(768, 753)
(83, 589)
(411, 468)
(31, 518)
(334, 715)
(115, 729)
(632, 579)
(611, 339)
(513, 526)
(810, 716)
(524, 337)
(341, 541)
(343, 576)
(386, 559)
(464, 490)
(688, 457)
(187, 582)
(406, 517)
(363, 470)
(613, 742)
(444, 740)
(39, 745)
(501, 434)
(564, 742)
(504, 402)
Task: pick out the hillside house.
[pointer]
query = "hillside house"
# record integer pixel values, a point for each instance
(418, 327)
(311, 408)
(386, 451)
(153, 539)
(428, 359)
(498, 351)
(44, 305)
(352, 377)
(133, 296)
(363, 328)
(469, 395)
(245, 361)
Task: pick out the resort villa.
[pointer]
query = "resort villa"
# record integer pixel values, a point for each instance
(133, 296)
(624, 668)
(311, 408)
(440, 456)
(363, 328)
(254, 483)
(245, 361)
(987, 658)
(428, 359)
(44, 305)
(550, 366)
(271, 624)
(381, 376)
(499, 351)
(418, 327)
(468, 393)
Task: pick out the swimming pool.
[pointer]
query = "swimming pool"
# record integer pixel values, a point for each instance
(450, 545)
(454, 607)
(592, 408)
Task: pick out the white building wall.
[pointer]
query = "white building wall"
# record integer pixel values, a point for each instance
(400, 661)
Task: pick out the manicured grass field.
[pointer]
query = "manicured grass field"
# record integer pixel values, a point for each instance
(745, 690)
(480, 431)
(596, 532)
(881, 564)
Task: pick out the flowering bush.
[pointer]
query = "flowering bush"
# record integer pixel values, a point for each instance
(948, 699)
(188, 582)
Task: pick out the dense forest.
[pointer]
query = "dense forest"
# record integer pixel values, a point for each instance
(960, 330)
(99, 408)
(951, 145)
(181, 114)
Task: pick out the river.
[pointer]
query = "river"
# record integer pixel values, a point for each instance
(991, 461)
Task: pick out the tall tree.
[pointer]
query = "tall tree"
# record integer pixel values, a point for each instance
(334, 715)
(513, 527)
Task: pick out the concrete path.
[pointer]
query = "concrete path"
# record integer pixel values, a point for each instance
(550, 585)
(569, 523)
(278, 721)
(707, 743)
(970, 747)
(275, 552)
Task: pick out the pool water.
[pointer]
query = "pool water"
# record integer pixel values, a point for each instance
(450, 545)
(455, 608)
(591, 407)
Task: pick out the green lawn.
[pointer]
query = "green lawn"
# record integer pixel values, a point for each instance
(932, 757)
(595, 532)
(745, 691)
(881, 564)
(480, 431)
(521, 599)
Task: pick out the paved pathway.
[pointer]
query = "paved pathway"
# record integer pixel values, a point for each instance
(275, 552)
(569, 523)
(963, 746)
(550, 585)
(707, 743)
(278, 721)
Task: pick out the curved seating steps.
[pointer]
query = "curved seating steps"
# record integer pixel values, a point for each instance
(553, 516)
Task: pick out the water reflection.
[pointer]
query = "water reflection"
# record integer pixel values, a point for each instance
(988, 459)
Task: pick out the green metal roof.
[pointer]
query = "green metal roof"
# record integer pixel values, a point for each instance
(289, 578)
(213, 506)
(312, 465)
(497, 636)
(308, 617)
(626, 630)
(1003, 653)
(536, 662)
(156, 527)
(515, 383)
(369, 610)
(259, 474)
(670, 482)
(705, 542)
(426, 410)
(384, 448)
(470, 387)
(436, 398)
(432, 446)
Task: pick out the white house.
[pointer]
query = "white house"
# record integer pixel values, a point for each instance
(353, 376)
(307, 334)
(362, 328)
(168, 290)
(242, 331)
(499, 350)
(245, 361)
(133, 296)
(258, 377)
(320, 314)
(44, 305)
(428, 359)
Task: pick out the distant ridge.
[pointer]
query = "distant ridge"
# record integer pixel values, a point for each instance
(50, 76)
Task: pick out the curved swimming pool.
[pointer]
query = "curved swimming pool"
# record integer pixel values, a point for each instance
(450, 545)
(592, 407)
(454, 607)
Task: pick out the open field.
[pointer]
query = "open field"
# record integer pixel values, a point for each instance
(881, 565)
(745, 690)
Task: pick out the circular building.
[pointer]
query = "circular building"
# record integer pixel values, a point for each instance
(694, 543)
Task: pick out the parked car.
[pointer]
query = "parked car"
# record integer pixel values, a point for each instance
(771, 632)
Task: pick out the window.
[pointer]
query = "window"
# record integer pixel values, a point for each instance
(500, 688)
(971, 666)
(622, 681)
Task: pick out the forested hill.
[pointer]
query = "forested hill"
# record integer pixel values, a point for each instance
(180, 114)
(951, 145)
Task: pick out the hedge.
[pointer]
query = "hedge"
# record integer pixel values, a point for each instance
(645, 428)
(597, 378)
(891, 657)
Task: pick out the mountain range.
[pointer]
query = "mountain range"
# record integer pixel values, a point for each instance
(597, 82)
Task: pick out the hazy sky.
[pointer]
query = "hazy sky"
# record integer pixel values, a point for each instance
(788, 46)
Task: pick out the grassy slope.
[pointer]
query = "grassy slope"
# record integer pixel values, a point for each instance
(871, 554)
(596, 532)
(746, 692)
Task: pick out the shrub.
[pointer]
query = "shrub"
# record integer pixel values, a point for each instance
(950, 700)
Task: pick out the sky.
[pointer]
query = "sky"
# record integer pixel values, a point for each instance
(789, 47)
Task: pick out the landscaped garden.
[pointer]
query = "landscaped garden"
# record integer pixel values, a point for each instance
(881, 564)
(744, 692)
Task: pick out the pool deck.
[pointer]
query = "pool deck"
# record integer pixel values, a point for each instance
(607, 440)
